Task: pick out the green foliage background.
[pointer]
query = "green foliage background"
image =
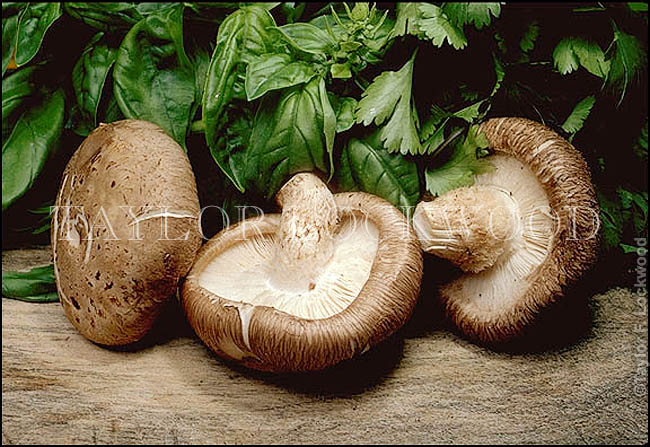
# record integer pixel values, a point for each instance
(380, 98)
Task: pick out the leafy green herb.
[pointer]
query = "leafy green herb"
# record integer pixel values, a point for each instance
(527, 42)
(463, 164)
(478, 14)
(273, 98)
(579, 114)
(308, 38)
(443, 23)
(33, 139)
(275, 71)
(242, 37)
(573, 52)
(408, 15)
(638, 6)
(289, 136)
(11, 13)
(630, 208)
(329, 123)
(17, 89)
(437, 27)
(344, 110)
(366, 166)
(154, 79)
(36, 285)
(33, 22)
(88, 78)
(637, 204)
(108, 16)
(390, 96)
(628, 61)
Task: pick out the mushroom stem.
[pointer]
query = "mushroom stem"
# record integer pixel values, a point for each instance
(471, 226)
(306, 235)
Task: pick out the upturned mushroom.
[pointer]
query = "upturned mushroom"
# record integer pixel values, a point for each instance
(124, 230)
(521, 233)
(329, 278)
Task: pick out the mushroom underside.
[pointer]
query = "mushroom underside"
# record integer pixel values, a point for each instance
(243, 272)
(508, 277)
(361, 295)
(525, 243)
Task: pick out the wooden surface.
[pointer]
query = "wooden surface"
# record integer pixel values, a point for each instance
(426, 386)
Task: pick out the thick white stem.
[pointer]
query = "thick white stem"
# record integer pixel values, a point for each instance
(305, 240)
(471, 226)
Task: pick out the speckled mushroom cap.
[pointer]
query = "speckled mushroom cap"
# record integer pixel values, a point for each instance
(521, 234)
(124, 231)
(329, 278)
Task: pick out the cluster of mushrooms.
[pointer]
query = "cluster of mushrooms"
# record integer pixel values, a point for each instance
(330, 276)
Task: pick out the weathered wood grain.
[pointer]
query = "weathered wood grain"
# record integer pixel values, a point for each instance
(432, 387)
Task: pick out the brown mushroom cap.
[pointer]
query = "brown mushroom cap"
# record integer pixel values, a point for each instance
(530, 230)
(115, 264)
(357, 296)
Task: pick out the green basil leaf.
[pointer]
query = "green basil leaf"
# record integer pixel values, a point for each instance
(308, 38)
(34, 137)
(329, 123)
(154, 79)
(50, 297)
(344, 111)
(366, 166)
(11, 13)
(233, 141)
(38, 281)
(89, 76)
(201, 62)
(17, 88)
(35, 20)
(242, 37)
(275, 71)
(327, 24)
(288, 137)
(107, 16)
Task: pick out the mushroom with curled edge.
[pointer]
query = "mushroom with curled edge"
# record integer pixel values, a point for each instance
(521, 233)
(329, 278)
(124, 230)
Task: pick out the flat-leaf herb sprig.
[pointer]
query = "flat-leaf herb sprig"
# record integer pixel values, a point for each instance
(377, 97)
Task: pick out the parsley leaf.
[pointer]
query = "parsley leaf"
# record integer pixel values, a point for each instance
(573, 52)
(389, 95)
(408, 15)
(527, 42)
(476, 13)
(628, 61)
(436, 26)
(577, 117)
(461, 167)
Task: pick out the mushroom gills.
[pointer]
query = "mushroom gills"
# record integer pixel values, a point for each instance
(244, 273)
(497, 283)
